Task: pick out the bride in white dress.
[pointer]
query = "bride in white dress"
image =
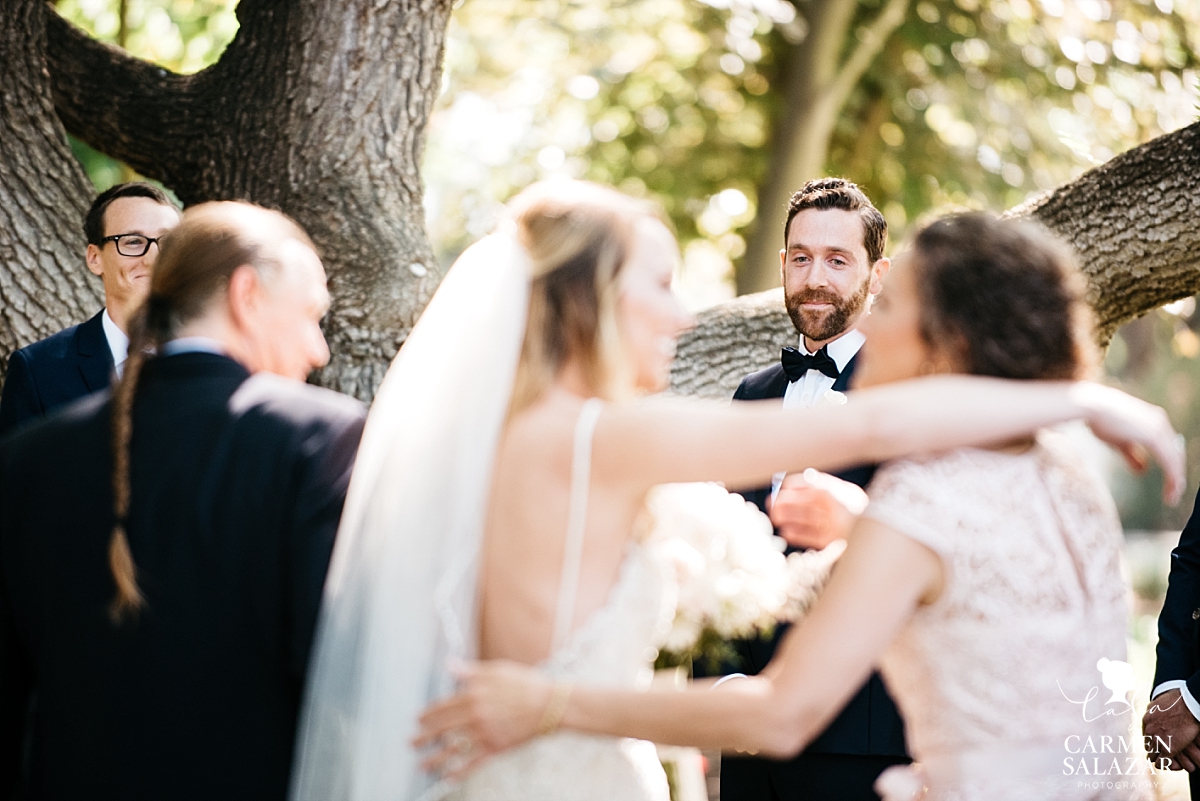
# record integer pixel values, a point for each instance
(504, 463)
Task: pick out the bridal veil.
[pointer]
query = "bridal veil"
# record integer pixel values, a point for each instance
(400, 599)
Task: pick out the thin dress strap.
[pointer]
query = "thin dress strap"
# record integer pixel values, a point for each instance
(581, 476)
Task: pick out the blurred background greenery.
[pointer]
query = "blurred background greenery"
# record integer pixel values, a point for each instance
(979, 103)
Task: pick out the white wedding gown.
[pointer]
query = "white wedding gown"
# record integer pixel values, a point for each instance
(401, 601)
(1033, 600)
(614, 647)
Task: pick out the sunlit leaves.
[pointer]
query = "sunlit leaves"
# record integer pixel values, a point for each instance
(992, 100)
(182, 35)
(662, 98)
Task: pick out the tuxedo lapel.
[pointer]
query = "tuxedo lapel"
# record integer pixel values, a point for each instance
(95, 356)
(843, 380)
(771, 382)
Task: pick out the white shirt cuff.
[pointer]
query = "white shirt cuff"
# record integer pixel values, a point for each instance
(1181, 685)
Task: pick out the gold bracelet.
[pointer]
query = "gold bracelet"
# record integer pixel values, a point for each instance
(556, 707)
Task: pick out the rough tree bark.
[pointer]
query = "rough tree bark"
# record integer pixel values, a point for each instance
(818, 83)
(43, 194)
(1134, 222)
(317, 108)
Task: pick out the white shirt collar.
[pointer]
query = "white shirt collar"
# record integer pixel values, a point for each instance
(118, 342)
(842, 349)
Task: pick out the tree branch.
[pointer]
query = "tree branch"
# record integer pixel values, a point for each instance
(874, 38)
(128, 108)
(1133, 224)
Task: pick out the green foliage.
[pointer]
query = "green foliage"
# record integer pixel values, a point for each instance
(974, 102)
(662, 98)
(182, 35)
(984, 102)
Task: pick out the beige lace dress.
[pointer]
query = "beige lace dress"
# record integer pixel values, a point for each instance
(1009, 682)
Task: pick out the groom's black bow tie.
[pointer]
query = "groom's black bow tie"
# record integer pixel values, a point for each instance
(796, 364)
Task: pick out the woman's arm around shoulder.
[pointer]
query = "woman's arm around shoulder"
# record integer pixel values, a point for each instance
(881, 579)
(665, 440)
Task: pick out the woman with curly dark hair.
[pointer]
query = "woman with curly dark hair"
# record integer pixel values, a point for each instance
(984, 582)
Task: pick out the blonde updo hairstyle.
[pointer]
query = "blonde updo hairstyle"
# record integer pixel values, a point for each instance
(578, 236)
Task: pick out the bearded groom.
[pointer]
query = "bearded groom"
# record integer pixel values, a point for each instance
(832, 265)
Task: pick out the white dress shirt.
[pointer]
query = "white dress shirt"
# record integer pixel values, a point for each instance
(813, 385)
(1181, 685)
(118, 342)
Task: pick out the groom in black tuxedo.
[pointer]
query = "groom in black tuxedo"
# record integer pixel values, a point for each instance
(832, 264)
(163, 550)
(1173, 715)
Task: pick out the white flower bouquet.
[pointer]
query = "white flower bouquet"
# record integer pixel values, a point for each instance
(727, 571)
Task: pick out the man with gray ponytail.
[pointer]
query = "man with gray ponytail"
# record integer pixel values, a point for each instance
(164, 615)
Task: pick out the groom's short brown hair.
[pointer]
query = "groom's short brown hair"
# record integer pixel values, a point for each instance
(838, 193)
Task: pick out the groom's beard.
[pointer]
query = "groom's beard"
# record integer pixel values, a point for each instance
(820, 326)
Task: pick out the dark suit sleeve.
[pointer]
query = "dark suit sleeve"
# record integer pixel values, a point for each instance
(16, 681)
(327, 456)
(1177, 630)
(19, 401)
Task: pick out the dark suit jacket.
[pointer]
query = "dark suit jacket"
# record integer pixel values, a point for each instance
(55, 371)
(1179, 622)
(870, 723)
(237, 488)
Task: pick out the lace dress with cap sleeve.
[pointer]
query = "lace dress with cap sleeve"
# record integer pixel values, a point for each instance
(1013, 683)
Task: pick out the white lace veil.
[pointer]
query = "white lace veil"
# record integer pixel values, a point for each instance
(400, 599)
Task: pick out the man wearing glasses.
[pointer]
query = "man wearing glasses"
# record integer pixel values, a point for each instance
(122, 228)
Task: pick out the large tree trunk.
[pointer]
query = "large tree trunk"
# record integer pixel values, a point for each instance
(818, 82)
(317, 108)
(44, 194)
(1134, 222)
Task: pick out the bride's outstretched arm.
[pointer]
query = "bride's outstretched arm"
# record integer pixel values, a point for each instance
(662, 441)
(880, 580)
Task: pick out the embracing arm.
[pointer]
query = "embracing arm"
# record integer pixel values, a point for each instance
(879, 581)
(662, 441)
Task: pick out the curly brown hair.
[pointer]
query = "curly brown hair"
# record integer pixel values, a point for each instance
(1004, 297)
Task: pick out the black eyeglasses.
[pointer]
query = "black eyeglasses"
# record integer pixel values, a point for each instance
(131, 244)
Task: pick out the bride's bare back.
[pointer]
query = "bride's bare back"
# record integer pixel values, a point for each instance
(526, 530)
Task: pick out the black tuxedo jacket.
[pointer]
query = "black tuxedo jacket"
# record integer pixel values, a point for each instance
(55, 371)
(869, 724)
(237, 488)
(1179, 622)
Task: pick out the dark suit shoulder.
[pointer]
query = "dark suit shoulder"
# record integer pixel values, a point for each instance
(293, 404)
(45, 444)
(769, 382)
(56, 346)
(68, 423)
